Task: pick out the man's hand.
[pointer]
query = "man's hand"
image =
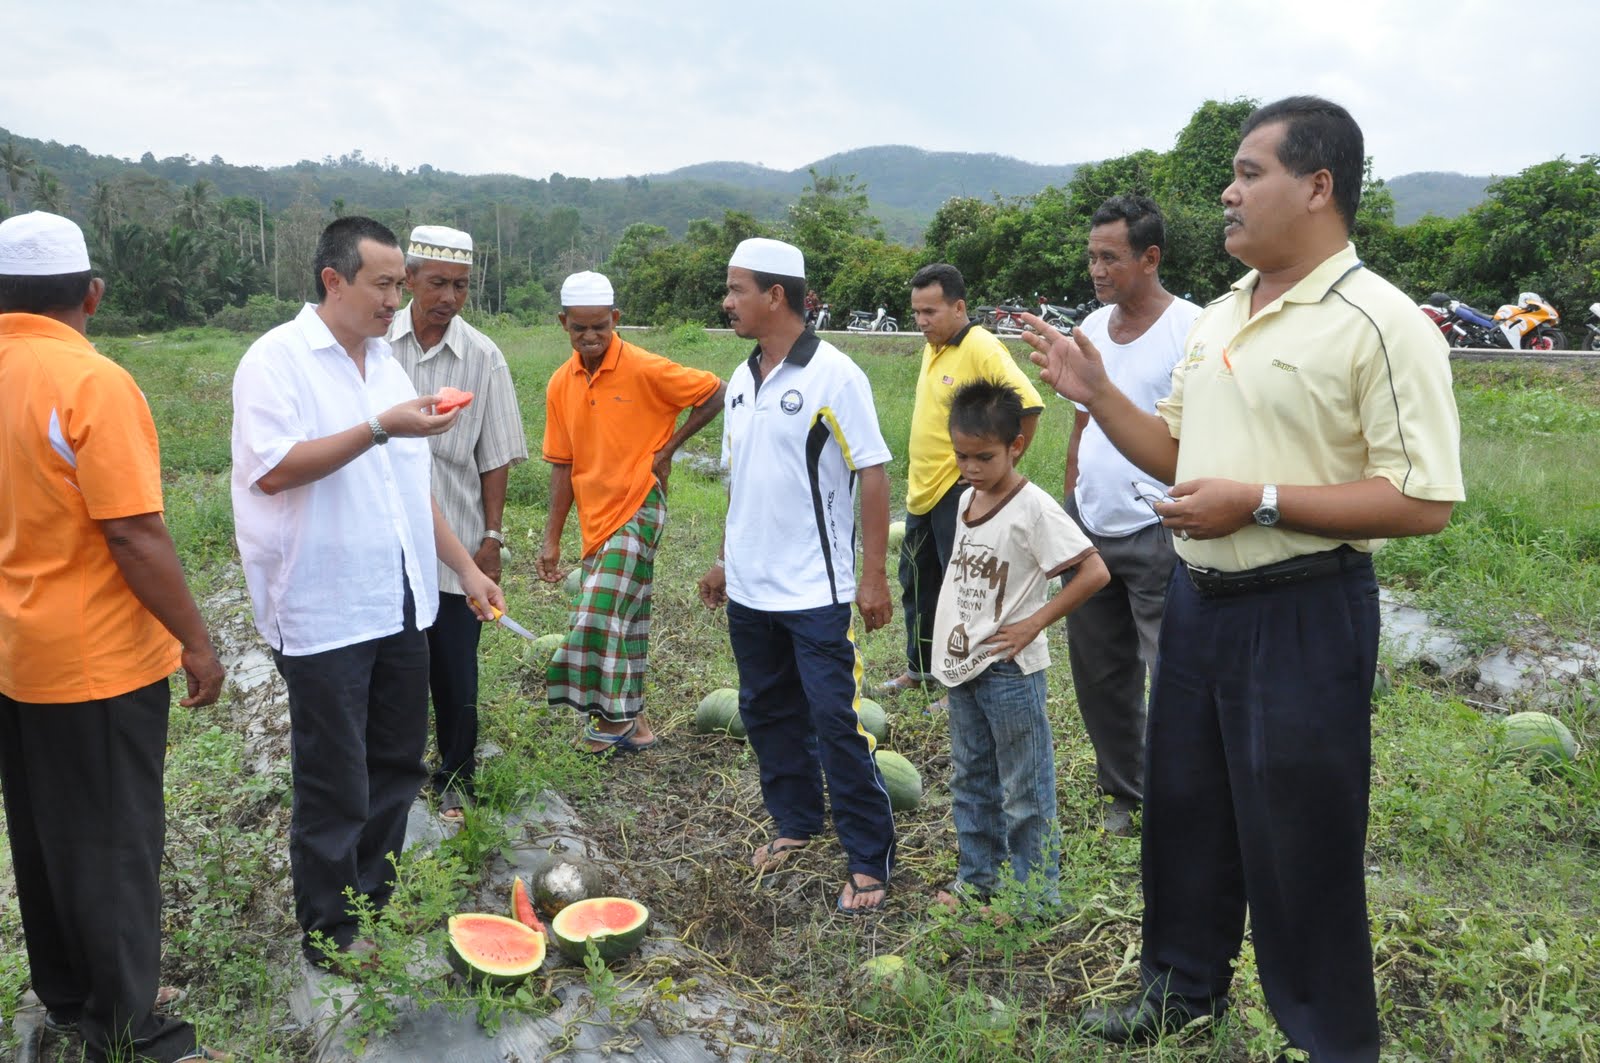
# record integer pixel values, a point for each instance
(714, 587)
(1069, 364)
(550, 563)
(487, 558)
(413, 418)
(1209, 508)
(872, 598)
(661, 466)
(204, 673)
(480, 589)
(1013, 638)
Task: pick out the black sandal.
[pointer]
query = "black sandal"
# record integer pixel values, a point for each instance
(778, 854)
(856, 889)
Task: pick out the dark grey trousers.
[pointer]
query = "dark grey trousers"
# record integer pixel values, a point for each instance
(1111, 644)
(85, 817)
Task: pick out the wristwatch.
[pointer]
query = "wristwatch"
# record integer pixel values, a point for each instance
(494, 533)
(379, 436)
(1266, 513)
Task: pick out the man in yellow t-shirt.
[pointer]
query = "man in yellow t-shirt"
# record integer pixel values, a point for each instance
(958, 351)
(94, 618)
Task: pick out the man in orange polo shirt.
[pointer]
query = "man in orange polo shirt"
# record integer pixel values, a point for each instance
(609, 437)
(94, 618)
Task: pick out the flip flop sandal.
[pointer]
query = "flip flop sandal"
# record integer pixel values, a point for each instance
(452, 807)
(202, 1054)
(777, 855)
(166, 997)
(621, 742)
(856, 891)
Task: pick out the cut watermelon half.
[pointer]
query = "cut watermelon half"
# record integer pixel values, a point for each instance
(616, 925)
(494, 950)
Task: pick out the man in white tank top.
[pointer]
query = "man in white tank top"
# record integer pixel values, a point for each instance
(1111, 638)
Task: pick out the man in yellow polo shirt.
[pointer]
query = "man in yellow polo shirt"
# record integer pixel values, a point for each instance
(611, 413)
(1310, 418)
(958, 351)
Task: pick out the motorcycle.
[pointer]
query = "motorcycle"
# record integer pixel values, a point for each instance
(1529, 324)
(1593, 342)
(818, 318)
(1008, 318)
(1062, 318)
(861, 321)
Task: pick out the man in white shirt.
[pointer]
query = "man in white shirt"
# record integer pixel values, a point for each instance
(799, 433)
(471, 464)
(339, 539)
(1111, 638)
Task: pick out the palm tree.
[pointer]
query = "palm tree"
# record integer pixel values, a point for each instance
(103, 210)
(15, 163)
(47, 192)
(195, 208)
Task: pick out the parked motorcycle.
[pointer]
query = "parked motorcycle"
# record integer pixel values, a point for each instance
(1529, 324)
(819, 318)
(1008, 319)
(1593, 342)
(1062, 318)
(862, 321)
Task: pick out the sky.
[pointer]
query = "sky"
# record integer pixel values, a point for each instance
(607, 88)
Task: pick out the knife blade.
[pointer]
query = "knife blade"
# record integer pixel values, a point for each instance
(510, 624)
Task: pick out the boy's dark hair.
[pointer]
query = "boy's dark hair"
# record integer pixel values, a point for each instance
(1145, 226)
(43, 295)
(946, 276)
(794, 289)
(987, 409)
(339, 246)
(1318, 135)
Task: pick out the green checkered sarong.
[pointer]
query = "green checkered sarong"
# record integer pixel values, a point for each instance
(599, 670)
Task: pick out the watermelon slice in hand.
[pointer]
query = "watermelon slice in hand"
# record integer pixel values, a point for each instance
(451, 399)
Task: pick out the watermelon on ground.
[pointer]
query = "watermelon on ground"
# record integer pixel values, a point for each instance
(897, 535)
(873, 719)
(1538, 736)
(901, 779)
(543, 648)
(522, 906)
(558, 880)
(574, 583)
(493, 950)
(718, 713)
(616, 925)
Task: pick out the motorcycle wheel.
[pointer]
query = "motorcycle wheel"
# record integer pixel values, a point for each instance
(1593, 342)
(1553, 338)
(890, 325)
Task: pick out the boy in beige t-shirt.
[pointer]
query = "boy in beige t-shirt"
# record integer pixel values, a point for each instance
(1011, 539)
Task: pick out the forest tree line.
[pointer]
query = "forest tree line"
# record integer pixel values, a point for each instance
(177, 253)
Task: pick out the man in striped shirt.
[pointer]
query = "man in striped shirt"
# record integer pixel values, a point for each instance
(470, 467)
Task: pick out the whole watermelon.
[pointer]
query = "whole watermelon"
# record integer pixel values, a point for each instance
(1539, 737)
(718, 713)
(901, 779)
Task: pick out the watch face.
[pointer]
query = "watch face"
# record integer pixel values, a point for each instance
(1266, 516)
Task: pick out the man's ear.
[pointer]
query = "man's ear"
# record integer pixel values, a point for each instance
(1321, 197)
(331, 281)
(91, 298)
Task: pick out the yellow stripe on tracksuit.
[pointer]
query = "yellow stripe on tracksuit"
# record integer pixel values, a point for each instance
(825, 413)
(855, 701)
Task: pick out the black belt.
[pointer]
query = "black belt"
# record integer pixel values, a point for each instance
(1211, 583)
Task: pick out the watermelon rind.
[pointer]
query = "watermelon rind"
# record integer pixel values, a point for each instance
(574, 583)
(897, 535)
(480, 969)
(522, 906)
(901, 779)
(614, 944)
(873, 720)
(541, 649)
(1538, 736)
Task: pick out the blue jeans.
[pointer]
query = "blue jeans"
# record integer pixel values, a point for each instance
(1004, 781)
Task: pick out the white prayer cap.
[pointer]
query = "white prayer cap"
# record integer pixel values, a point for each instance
(441, 243)
(587, 289)
(41, 245)
(761, 255)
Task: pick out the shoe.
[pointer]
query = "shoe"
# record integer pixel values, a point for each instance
(1143, 1018)
(901, 683)
(167, 996)
(202, 1054)
(853, 889)
(1116, 817)
(452, 806)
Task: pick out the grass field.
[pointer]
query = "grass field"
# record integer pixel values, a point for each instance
(1484, 879)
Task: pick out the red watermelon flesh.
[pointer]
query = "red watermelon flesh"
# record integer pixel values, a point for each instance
(601, 918)
(493, 948)
(451, 398)
(522, 908)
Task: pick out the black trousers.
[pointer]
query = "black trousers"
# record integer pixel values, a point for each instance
(358, 719)
(924, 555)
(1256, 786)
(86, 818)
(453, 681)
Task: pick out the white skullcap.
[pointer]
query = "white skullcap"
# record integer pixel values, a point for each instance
(41, 245)
(441, 243)
(761, 255)
(587, 289)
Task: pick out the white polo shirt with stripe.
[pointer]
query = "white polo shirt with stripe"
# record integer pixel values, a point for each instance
(793, 445)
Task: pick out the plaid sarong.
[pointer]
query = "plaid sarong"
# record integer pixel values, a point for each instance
(599, 670)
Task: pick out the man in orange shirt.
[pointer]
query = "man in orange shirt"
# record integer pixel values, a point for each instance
(609, 437)
(94, 618)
